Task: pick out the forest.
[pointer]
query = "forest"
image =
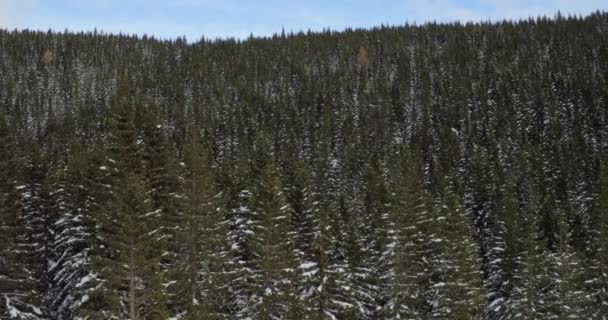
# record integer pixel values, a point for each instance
(435, 171)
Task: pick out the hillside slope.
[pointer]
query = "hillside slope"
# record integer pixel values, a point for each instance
(442, 171)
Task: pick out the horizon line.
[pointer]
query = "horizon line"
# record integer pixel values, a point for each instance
(310, 31)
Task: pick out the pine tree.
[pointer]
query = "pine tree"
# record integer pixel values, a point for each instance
(23, 222)
(26, 300)
(464, 282)
(336, 295)
(301, 197)
(521, 205)
(128, 230)
(572, 302)
(520, 239)
(406, 293)
(139, 280)
(205, 239)
(273, 258)
(164, 193)
(69, 244)
(482, 202)
(8, 216)
(599, 236)
(313, 219)
(92, 191)
(374, 231)
(239, 217)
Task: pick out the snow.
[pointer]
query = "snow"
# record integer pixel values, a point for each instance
(330, 315)
(334, 163)
(54, 264)
(84, 280)
(342, 304)
(308, 265)
(155, 212)
(495, 303)
(14, 313)
(308, 293)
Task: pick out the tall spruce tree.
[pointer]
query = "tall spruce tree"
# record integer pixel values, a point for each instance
(128, 228)
(70, 243)
(204, 235)
(411, 205)
(599, 236)
(273, 261)
(26, 300)
(8, 216)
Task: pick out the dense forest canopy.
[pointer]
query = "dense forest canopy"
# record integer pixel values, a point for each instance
(443, 171)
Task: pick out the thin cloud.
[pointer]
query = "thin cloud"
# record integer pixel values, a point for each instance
(96, 4)
(7, 13)
(421, 11)
(16, 13)
(482, 10)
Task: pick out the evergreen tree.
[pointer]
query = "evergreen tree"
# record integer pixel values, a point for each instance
(128, 230)
(465, 297)
(8, 216)
(406, 293)
(397, 281)
(599, 236)
(69, 246)
(28, 252)
(205, 240)
(273, 258)
(373, 232)
(164, 194)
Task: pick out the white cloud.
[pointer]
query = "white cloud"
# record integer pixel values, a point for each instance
(15, 13)
(7, 13)
(439, 10)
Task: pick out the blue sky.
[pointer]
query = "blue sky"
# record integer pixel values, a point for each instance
(239, 18)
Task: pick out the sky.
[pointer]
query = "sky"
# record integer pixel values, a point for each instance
(240, 18)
